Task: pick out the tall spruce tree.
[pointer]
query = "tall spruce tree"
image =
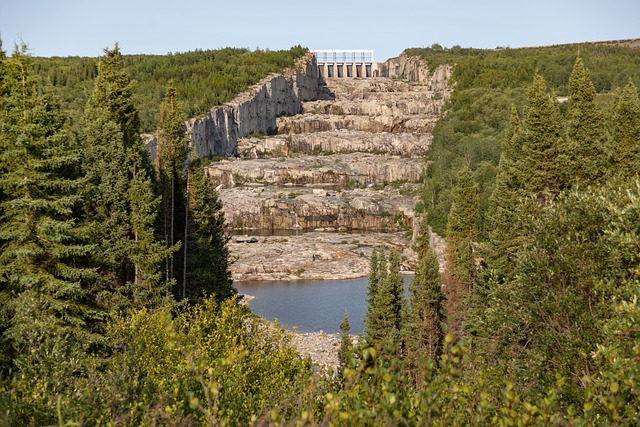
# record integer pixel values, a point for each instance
(374, 315)
(541, 138)
(584, 153)
(422, 323)
(171, 155)
(460, 268)
(117, 169)
(503, 205)
(377, 262)
(626, 131)
(207, 255)
(346, 345)
(49, 317)
(383, 317)
(396, 285)
(147, 253)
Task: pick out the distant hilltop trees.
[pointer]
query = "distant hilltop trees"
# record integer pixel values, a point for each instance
(203, 78)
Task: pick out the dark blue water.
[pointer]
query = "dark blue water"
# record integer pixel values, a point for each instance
(310, 305)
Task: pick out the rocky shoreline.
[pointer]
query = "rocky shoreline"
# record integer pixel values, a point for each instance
(321, 347)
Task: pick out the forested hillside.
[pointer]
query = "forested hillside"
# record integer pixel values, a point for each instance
(204, 78)
(535, 321)
(487, 84)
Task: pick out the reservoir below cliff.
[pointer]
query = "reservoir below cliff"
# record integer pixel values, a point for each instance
(311, 305)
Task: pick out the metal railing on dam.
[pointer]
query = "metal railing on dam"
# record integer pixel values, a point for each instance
(346, 63)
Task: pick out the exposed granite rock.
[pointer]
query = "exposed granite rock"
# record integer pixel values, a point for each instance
(256, 110)
(389, 119)
(314, 255)
(328, 122)
(298, 208)
(341, 141)
(414, 69)
(373, 107)
(339, 171)
(321, 347)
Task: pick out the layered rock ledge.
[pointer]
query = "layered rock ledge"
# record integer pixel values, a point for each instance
(305, 208)
(313, 255)
(340, 171)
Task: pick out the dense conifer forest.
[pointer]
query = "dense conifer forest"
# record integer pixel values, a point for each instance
(487, 84)
(203, 78)
(112, 314)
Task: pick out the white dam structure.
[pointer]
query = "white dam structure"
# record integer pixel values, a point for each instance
(346, 63)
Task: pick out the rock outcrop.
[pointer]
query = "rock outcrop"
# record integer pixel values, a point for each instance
(305, 208)
(321, 347)
(337, 171)
(341, 141)
(312, 255)
(415, 70)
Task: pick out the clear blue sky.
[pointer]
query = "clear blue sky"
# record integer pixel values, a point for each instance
(85, 27)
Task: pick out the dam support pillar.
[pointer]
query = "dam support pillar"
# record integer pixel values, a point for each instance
(346, 63)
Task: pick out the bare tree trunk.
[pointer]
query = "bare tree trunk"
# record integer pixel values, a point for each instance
(186, 229)
(165, 203)
(171, 235)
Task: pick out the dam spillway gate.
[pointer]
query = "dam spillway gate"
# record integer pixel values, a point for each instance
(346, 63)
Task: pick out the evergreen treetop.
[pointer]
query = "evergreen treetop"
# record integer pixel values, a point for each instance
(626, 131)
(584, 154)
(424, 315)
(542, 136)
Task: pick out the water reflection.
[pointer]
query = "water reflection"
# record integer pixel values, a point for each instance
(311, 305)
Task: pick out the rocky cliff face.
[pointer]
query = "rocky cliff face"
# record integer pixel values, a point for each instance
(256, 110)
(408, 103)
(304, 208)
(253, 111)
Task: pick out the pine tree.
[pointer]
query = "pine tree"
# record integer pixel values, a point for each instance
(373, 285)
(460, 268)
(626, 131)
(104, 166)
(147, 253)
(503, 205)
(373, 280)
(376, 279)
(422, 323)
(113, 91)
(396, 286)
(541, 138)
(49, 316)
(583, 154)
(383, 316)
(207, 254)
(170, 157)
(346, 345)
